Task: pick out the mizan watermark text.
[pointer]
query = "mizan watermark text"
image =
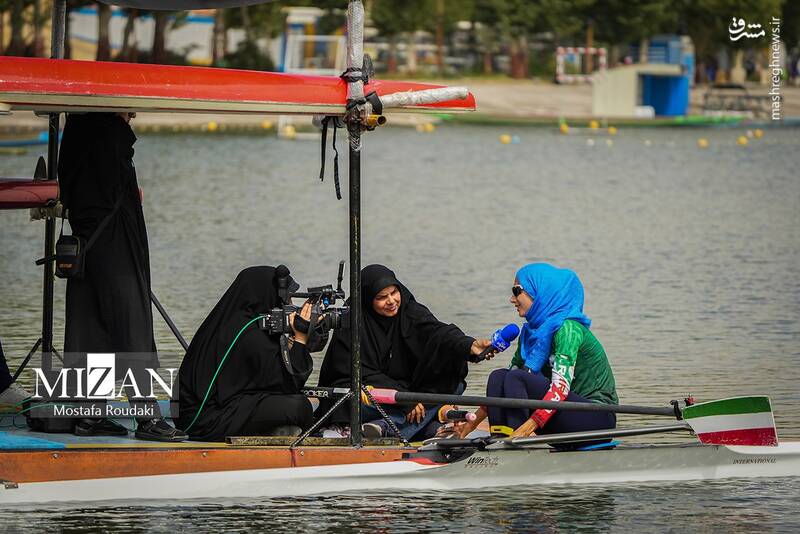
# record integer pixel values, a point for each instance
(70, 392)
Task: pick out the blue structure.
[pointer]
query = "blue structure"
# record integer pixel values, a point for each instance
(668, 95)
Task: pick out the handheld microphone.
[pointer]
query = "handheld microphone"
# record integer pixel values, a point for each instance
(448, 414)
(501, 340)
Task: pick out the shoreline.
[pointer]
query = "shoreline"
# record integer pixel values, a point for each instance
(524, 103)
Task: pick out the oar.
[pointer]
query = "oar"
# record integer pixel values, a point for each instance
(732, 421)
(567, 437)
(392, 396)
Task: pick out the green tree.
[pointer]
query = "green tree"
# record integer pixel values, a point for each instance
(130, 45)
(790, 24)
(263, 20)
(619, 22)
(103, 39)
(393, 19)
(165, 21)
(514, 22)
(16, 46)
(708, 21)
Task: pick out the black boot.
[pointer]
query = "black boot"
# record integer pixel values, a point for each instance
(159, 430)
(99, 427)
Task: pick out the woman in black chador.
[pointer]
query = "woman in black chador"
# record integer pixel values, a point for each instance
(403, 347)
(108, 308)
(256, 392)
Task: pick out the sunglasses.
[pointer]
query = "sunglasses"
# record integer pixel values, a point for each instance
(517, 290)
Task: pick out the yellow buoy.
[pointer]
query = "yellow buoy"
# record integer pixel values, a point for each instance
(593, 124)
(266, 124)
(612, 130)
(289, 131)
(563, 128)
(505, 139)
(702, 142)
(609, 142)
(759, 133)
(648, 142)
(742, 140)
(428, 127)
(212, 126)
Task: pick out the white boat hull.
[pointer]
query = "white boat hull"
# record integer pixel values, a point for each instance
(496, 468)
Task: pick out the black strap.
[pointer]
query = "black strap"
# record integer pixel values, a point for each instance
(375, 101)
(325, 122)
(284, 343)
(324, 142)
(95, 234)
(102, 225)
(336, 184)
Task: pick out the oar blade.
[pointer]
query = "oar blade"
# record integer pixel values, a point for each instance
(733, 421)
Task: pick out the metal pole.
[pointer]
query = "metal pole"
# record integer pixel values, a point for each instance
(168, 320)
(355, 283)
(354, 120)
(58, 29)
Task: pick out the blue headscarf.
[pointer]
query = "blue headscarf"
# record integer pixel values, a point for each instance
(557, 296)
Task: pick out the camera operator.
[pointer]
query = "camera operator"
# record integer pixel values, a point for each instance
(235, 380)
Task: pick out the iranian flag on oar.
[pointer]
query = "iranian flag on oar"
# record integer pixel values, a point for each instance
(734, 421)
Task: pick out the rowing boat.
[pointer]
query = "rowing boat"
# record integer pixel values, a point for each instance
(46, 468)
(100, 473)
(59, 85)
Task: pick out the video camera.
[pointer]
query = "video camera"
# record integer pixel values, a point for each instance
(324, 315)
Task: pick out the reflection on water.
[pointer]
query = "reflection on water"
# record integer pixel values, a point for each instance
(734, 506)
(690, 258)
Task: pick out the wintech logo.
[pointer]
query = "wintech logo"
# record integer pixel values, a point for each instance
(482, 461)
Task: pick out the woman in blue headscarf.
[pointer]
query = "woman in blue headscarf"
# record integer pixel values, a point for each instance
(557, 358)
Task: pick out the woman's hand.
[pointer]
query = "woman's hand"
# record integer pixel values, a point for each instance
(464, 429)
(305, 313)
(479, 345)
(526, 429)
(416, 414)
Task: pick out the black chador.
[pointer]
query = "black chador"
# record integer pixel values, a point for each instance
(108, 309)
(255, 391)
(412, 351)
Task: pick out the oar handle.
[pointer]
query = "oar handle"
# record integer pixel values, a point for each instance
(424, 97)
(391, 396)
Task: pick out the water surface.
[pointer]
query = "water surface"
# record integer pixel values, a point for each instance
(690, 259)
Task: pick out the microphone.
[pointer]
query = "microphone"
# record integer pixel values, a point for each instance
(501, 340)
(448, 414)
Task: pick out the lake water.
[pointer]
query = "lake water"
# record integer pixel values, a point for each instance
(690, 259)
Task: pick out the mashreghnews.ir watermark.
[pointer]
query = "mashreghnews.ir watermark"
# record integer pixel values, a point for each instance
(776, 70)
(740, 29)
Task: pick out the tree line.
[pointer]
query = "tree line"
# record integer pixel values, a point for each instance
(512, 28)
